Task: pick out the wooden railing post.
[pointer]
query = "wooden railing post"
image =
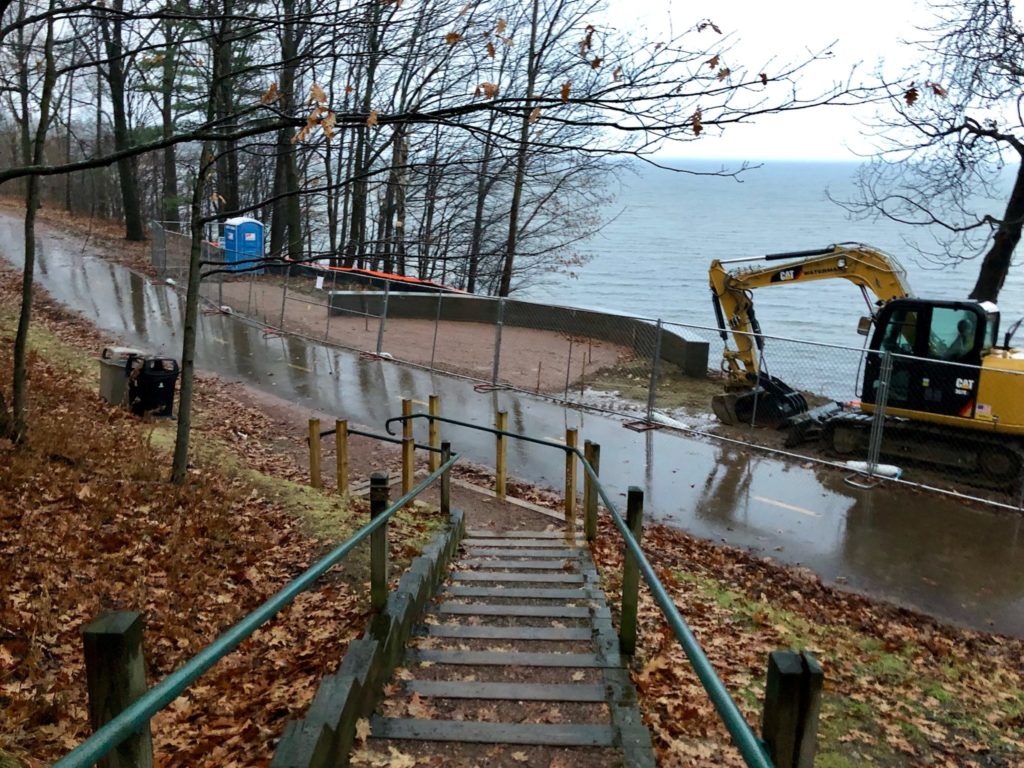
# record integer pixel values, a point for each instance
(434, 433)
(408, 448)
(631, 573)
(115, 672)
(592, 453)
(341, 454)
(501, 456)
(570, 484)
(792, 702)
(446, 480)
(314, 453)
(380, 488)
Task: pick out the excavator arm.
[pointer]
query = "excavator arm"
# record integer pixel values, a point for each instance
(870, 269)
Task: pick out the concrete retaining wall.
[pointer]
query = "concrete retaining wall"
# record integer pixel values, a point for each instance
(690, 354)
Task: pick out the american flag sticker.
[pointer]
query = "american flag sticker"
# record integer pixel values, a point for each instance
(983, 411)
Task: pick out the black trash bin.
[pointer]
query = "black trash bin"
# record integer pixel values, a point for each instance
(151, 383)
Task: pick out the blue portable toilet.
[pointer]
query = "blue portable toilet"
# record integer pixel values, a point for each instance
(243, 241)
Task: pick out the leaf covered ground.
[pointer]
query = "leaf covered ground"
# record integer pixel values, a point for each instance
(88, 524)
(900, 688)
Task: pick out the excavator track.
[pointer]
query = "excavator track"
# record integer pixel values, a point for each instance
(987, 461)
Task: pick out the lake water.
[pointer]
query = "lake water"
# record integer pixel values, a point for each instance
(652, 259)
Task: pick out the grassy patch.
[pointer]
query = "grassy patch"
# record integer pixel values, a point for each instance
(886, 702)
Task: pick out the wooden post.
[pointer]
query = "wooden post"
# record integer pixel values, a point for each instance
(314, 453)
(341, 446)
(592, 453)
(380, 488)
(792, 702)
(570, 485)
(115, 672)
(631, 573)
(501, 456)
(446, 480)
(434, 433)
(408, 448)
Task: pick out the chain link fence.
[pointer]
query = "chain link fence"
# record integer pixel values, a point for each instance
(929, 421)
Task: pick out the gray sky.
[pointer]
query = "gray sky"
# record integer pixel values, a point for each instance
(864, 33)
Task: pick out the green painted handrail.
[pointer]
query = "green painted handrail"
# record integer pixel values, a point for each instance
(743, 736)
(749, 745)
(132, 718)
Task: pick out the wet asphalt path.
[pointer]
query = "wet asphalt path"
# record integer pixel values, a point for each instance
(931, 553)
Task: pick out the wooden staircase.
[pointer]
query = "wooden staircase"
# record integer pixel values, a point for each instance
(515, 662)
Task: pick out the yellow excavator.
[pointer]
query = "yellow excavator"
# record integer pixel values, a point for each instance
(955, 398)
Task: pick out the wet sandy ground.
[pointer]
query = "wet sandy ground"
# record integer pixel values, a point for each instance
(530, 359)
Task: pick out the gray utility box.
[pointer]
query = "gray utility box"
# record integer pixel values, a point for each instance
(113, 377)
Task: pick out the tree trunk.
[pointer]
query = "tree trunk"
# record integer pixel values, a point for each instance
(360, 185)
(287, 211)
(179, 466)
(483, 188)
(18, 423)
(227, 158)
(134, 229)
(169, 203)
(505, 286)
(69, 177)
(997, 262)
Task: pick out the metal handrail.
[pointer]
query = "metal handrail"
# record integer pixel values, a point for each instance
(382, 438)
(477, 427)
(133, 717)
(750, 746)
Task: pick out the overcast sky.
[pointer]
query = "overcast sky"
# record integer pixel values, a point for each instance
(864, 32)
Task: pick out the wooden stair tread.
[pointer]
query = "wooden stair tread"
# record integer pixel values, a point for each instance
(445, 689)
(510, 658)
(561, 735)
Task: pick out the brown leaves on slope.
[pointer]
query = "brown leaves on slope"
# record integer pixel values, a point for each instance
(900, 688)
(87, 525)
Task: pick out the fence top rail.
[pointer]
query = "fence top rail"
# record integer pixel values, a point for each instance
(749, 745)
(167, 690)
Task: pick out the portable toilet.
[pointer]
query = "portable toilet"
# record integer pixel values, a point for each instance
(243, 242)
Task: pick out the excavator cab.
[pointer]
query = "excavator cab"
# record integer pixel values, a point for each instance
(937, 348)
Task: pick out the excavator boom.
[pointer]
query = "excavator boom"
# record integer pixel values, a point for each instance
(762, 397)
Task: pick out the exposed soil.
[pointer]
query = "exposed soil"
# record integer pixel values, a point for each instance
(530, 359)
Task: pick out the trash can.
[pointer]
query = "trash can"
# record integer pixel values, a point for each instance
(151, 383)
(113, 373)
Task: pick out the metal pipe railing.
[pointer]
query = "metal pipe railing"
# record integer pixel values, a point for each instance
(167, 690)
(382, 438)
(750, 746)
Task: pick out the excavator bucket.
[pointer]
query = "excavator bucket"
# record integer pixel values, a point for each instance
(770, 404)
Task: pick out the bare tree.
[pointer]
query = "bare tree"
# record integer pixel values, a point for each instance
(950, 135)
(33, 144)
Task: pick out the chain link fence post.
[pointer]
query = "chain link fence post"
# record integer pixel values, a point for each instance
(330, 294)
(497, 341)
(284, 294)
(878, 422)
(437, 325)
(655, 368)
(383, 318)
(158, 249)
(248, 303)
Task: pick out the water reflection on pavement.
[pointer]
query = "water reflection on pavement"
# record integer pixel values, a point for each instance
(928, 552)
